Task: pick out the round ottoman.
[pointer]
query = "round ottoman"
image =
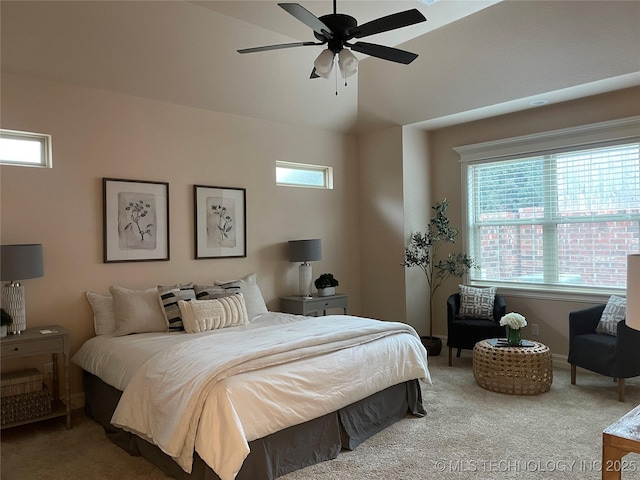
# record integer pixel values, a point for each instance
(513, 370)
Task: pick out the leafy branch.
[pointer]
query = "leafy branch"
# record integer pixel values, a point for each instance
(423, 251)
(138, 212)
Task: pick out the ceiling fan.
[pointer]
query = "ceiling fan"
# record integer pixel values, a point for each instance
(337, 29)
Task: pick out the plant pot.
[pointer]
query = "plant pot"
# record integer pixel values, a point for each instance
(433, 345)
(326, 292)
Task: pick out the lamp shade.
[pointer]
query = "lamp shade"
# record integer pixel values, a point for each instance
(633, 291)
(324, 63)
(305, 250)
(21, 262)
(348, 63)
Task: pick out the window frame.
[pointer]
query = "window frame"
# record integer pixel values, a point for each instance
(326, 171)
(46, 157)
(602, 134)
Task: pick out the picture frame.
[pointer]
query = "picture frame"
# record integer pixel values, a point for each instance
(220, 222)
(135, 220)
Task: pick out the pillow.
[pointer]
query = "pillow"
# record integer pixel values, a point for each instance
(476, 302)
(203, 315)
(614, 312)
(251, 292)
(211, 292)
(137, 311)
(169, 299)
(104, 321)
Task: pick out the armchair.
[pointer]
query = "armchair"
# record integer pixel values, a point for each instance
(466, 332)
(614, 356)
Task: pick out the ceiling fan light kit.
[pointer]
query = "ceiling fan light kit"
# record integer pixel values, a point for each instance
(335, 30)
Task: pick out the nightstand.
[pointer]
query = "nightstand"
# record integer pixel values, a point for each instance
(33, 342)
(315, 305)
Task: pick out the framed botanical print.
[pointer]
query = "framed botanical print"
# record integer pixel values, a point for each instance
(220, 222)
(136, 220)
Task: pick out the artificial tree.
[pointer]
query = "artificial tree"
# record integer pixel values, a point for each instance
(423, 252)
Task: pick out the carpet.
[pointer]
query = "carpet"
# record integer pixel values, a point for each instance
(468, 433)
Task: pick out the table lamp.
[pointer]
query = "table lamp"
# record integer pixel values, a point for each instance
(18, 262)
(633, 291)
(305, 251)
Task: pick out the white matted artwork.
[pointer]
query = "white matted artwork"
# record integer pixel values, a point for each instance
(220, 222)
(136, 220)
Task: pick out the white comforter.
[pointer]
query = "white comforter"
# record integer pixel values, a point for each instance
(217, 391)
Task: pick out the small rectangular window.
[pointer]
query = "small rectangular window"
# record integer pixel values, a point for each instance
(25, 148)
(303, 175)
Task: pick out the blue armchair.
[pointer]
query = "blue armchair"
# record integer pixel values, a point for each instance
(614, 356)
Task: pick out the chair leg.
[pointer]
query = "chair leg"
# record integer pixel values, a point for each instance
(450, 351)
(621, 389)
(573, 374)
(458, 354)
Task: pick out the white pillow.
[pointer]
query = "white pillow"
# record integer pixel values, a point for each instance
(251, 292)
(476, 302)
(137, 311)
(203, 315)
(614, 312)
(104, 321)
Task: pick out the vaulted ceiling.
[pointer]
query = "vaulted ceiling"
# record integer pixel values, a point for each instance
(476, 58)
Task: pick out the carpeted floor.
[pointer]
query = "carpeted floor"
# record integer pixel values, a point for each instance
(468, 433)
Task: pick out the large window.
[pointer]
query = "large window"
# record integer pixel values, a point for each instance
(565, 216)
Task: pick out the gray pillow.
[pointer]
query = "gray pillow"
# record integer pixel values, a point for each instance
(476, 302)
(613, 313)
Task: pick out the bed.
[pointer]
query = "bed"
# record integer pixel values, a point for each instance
(253, 400)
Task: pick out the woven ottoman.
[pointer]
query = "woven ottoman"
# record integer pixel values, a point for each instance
(513, 370)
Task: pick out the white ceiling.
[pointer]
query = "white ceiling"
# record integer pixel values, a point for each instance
(476, 58)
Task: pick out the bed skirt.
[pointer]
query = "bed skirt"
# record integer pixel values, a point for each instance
(277, 454)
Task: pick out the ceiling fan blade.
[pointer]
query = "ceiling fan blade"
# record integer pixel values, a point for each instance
(390, 22)
(308, 18)
(386, 53)
(278, 47)
(314, 74)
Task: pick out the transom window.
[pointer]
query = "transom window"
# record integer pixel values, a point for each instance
(25, 148)
(565, 217)
(303, 175)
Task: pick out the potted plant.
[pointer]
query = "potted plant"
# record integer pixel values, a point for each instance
(5, 322)
(326, 285)
(423, 252)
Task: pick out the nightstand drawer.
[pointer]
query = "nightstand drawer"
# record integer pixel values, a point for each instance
(325, 303)
(314, 305)
(33, 347)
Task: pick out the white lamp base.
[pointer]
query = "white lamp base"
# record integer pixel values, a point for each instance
(304, 279)
(13, 303)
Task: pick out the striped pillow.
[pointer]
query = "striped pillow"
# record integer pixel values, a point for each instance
(170, 299)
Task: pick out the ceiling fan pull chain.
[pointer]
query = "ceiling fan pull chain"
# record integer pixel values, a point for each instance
(336, 71)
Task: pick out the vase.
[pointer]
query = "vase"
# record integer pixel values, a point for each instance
(514, 336)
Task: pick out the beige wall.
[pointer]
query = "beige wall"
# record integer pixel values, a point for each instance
(552, 316)
(99, 134)
(382, 224)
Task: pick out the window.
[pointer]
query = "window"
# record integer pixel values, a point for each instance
(302, 175)
(25, 148)
(564, 216)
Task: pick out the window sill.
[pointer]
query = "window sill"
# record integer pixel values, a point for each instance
(555, 293)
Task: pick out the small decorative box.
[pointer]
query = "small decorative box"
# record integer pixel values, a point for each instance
(21, 381)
